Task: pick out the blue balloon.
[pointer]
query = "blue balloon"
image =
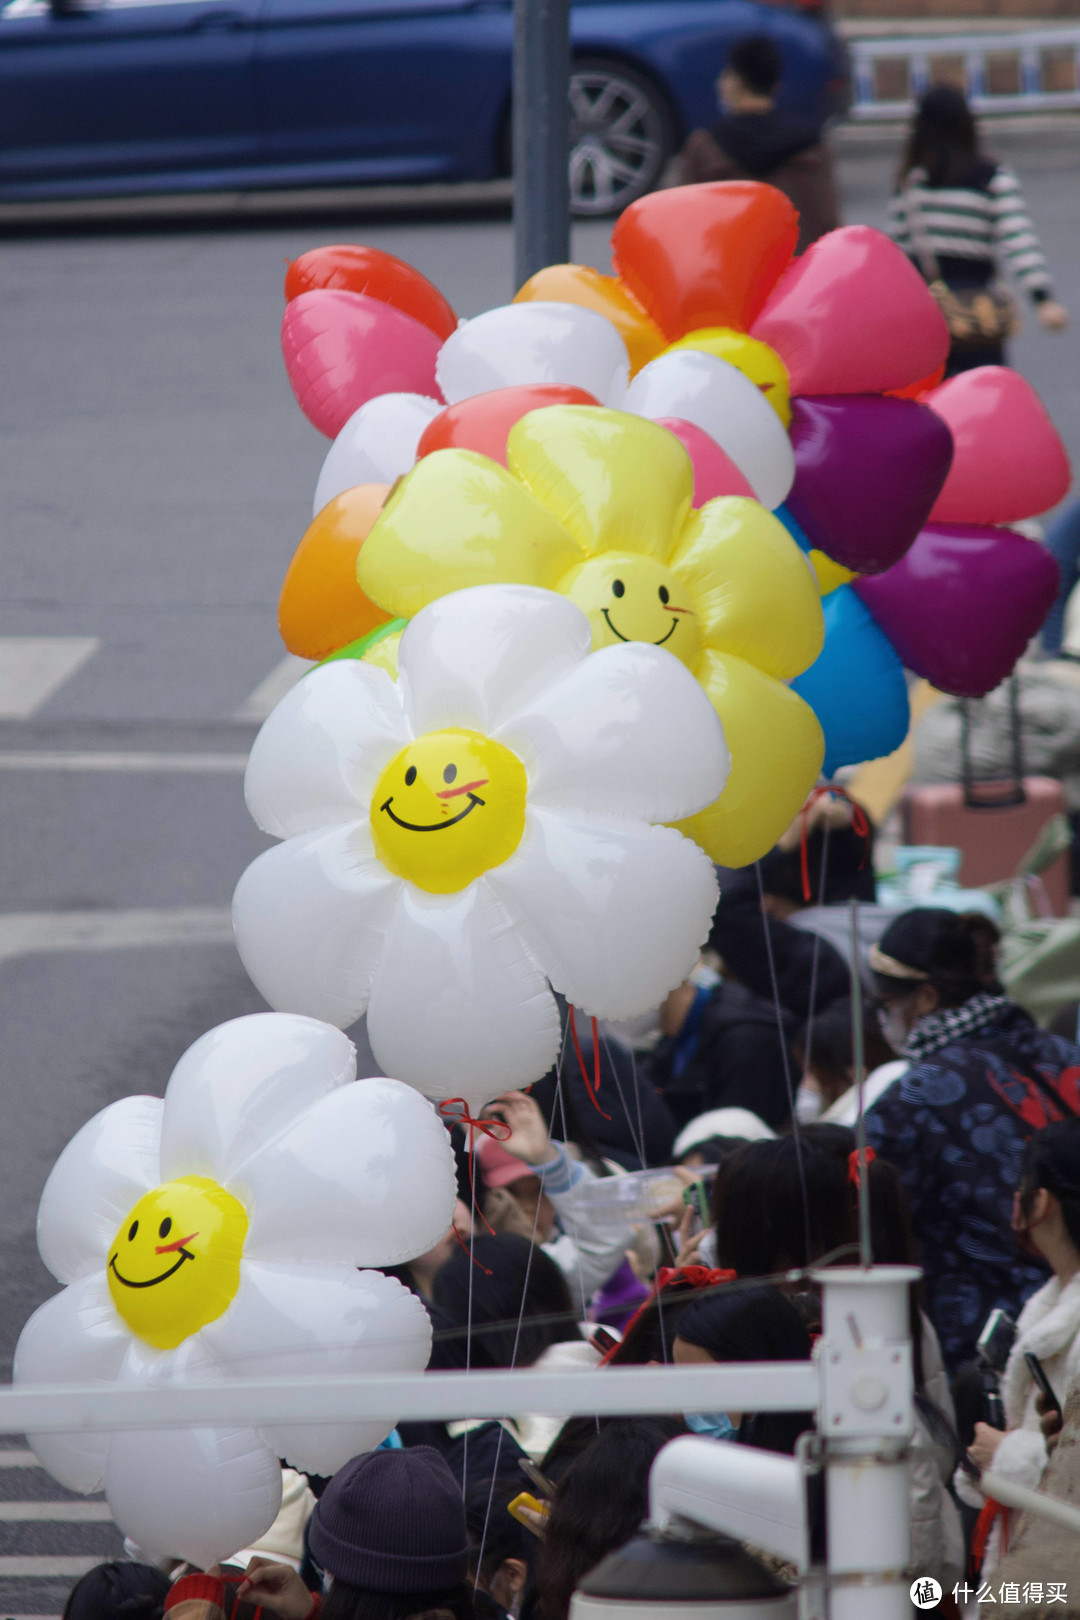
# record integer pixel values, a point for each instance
(792, 528)
(856, 687)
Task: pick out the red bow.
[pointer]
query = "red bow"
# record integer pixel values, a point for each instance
(855, 1160)
(859, 825)
(497, 1129)
(696, 1276)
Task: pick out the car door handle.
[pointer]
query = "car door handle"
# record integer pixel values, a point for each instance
(218, 21)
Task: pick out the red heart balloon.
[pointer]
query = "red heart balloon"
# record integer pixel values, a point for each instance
(963, 603)
(342, 349)
(714, 471)
(1009, 462)
(705, 255)
(853, 316)
(483, 422)
(351, 268)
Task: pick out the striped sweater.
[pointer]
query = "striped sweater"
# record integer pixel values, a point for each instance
(983, 220)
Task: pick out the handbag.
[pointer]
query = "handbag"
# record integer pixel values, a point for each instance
(976, 316)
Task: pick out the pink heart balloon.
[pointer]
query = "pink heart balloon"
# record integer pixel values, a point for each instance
(867, 471)
(714, 471)
(343, 348)
(963, 603)
(853, 316)
(1009, 462)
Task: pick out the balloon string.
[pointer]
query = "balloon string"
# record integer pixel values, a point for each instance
(591, 1086)
(497, 1129)
(859, 825)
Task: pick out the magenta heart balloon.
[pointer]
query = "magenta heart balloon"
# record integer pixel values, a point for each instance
(1009, 462)
(867, 472)
(963, 603)
(343, 348)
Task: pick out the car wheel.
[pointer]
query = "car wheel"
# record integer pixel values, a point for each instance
(621, 136)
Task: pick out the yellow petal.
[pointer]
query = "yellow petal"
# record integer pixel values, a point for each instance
(751, 585)
(616, 481)
(456, 520)
(754, 359)
(578, 284)
(776, 747)
(829, 574)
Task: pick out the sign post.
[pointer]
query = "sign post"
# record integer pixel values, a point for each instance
(541, 136)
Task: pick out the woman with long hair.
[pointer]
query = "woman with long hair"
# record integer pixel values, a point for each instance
(960, 215)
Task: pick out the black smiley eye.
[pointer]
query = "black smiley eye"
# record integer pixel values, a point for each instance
(665, 595)
(410, 776)
(449, 773)
(618, 588)
(165, 1228)
(132, 1229)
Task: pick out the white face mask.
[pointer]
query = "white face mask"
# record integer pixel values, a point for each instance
(893, 1026)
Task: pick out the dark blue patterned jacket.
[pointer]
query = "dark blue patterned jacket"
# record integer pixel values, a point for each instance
(955, 1126)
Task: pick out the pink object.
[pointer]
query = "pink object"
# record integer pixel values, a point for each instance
(962, 604)
(853, 316)
(714, 471)
(500, 1168)
(343, 348)
(1009, 462)
(992, 842)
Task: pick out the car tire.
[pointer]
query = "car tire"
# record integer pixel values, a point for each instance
(622, 134)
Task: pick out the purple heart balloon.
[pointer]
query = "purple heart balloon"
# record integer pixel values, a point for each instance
(963, 603)
(867, 473)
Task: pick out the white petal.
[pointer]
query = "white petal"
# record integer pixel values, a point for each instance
(535, 343)
(616, 913)
(317, 758)
(629, 732)
(242, 1084)
(721, 400)
(475, 657)
(365, 1178)
(105, 1168)
(458, 1007)
(310, 917)
(74, 1338)
(376, 445)
(195, 1494)
(322, 1322)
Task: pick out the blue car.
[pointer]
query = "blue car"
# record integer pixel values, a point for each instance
(115, 97)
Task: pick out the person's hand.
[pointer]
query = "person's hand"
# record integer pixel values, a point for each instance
(504, 1214)
(1049, 1420)
(982, 1449)
(1052, 316)
(528, 1139)
(686, 1250)
(278, 1588)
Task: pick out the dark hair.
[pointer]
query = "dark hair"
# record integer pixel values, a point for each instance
(848, 863)
(753, 1324)
(598, 1505)
(953, 952)
(713, 1149)
(118, 1591)
(944, 138)
(826, 1040)
(757, 61)
(344, 1602)
(1052, 1160)
(650, 1332)
(761, 1215)
(511, 1278)
(492, 1528)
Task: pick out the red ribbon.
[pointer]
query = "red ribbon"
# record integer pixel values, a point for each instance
(860, 825)
(855, 1161)
(593, 1086)
(695, 1276)
(497, 1129)
(991, 1512)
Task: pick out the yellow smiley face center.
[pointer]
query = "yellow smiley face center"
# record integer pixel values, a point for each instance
(174, 1264)
(628, 597)
(448, 808)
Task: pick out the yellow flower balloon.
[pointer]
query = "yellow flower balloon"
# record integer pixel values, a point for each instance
(596, 504)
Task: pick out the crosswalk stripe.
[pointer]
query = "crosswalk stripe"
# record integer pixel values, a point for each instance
(24, 933)
(273, 688)
(56, 1512)
(17, 1568)
(18, 1459)
(33, 668)
(54, 760)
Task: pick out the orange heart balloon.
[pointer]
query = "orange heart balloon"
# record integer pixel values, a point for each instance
(578, 284)
(321, 606)
(705, 255)
(483, 422)
(347, 267)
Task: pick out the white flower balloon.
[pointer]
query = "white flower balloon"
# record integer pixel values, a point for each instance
(459, 840)
(217, 1234)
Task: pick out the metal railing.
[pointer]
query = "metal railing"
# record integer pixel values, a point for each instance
(1028, 64)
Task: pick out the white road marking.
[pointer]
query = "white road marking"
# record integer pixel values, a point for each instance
(18, 1459)
(194, 764)
(32, 668)
(269, 692)
(17, 1568)
(67, 1512)
(24, 933)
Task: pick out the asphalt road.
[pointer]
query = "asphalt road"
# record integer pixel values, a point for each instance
(156, 479)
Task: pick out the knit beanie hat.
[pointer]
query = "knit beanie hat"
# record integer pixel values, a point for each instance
(392, 1521)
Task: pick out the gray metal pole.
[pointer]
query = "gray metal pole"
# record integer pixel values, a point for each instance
(541, 135)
